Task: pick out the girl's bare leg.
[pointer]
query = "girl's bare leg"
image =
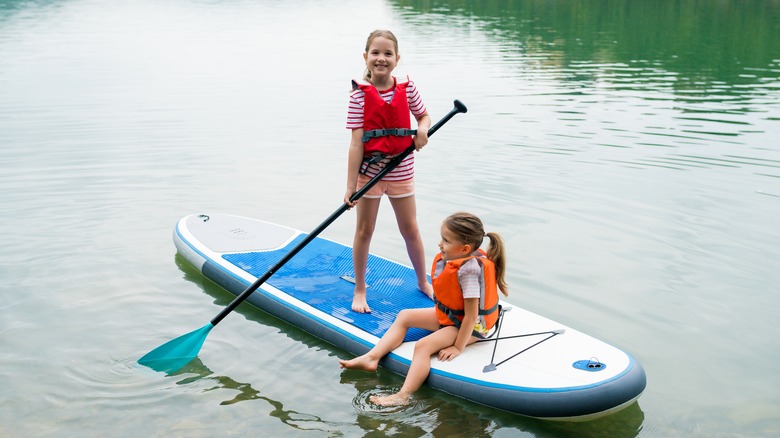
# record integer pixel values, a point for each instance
(421, 365)
(419, 318)
(406, 215)
(367, 210)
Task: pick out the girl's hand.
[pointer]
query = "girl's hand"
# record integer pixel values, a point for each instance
(423, 125)
(349, 195)
(421, 139)
(449, 353)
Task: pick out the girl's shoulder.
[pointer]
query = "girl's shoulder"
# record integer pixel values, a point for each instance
(407, 83)
(357, 92)
(475, 259)
(357, 85)
(470, 268)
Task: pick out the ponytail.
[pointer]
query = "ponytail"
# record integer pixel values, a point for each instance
(497, 255)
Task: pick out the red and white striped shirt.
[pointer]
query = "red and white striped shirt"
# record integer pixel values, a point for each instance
(405, 169)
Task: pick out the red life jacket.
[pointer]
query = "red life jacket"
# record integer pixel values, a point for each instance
(386, 126)
(449, 297)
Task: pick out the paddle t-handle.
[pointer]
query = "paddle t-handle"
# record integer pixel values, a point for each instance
(177, 352)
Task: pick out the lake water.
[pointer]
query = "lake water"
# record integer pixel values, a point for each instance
(628, 152)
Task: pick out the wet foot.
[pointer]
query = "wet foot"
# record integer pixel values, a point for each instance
(399, 399)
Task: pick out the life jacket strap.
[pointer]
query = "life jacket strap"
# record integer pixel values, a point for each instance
(399, 132)
(371, 159)
(453, 316)
(448, 311)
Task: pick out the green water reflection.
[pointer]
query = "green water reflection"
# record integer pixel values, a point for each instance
(699, 43)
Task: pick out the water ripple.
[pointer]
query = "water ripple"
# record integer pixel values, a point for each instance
(364, 406)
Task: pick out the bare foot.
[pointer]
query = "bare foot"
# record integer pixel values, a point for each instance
(363, 362)
(359, 303)
(398, 399)
(427, 289)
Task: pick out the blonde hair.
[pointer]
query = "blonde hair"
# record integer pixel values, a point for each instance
(470, 231)
(373, 35)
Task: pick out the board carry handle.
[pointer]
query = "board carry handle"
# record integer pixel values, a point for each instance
(176, 353)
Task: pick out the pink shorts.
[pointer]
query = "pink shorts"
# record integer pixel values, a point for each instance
(393, 189)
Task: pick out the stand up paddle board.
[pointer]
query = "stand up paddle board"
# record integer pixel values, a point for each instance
(531, 365)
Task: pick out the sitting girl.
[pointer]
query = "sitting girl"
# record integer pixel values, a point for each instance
(465, 281)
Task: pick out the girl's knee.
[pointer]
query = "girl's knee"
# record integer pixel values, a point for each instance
(425, 346)
(410, 232)
(408, 318)
(364, 232)
(403, 316)
(420, 343)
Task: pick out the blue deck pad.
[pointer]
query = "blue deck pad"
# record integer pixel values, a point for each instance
(314, 277)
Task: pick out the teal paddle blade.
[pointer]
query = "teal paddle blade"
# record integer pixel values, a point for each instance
(176, 353)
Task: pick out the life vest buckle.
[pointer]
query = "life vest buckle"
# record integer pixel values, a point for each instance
(399, 132)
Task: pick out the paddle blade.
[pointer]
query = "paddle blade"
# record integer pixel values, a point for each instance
(174, 354)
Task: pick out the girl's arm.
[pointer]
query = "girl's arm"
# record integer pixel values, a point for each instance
(423, 125)
(465, 331)
(354, 160)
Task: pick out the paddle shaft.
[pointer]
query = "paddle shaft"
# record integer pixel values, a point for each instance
(459, 108)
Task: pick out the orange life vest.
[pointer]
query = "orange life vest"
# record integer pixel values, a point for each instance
(449, 297)
(386, 126)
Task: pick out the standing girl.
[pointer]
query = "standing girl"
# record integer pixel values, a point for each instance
(466, 281)
(380, 123)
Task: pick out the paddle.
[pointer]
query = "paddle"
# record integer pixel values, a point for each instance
(175, 353)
